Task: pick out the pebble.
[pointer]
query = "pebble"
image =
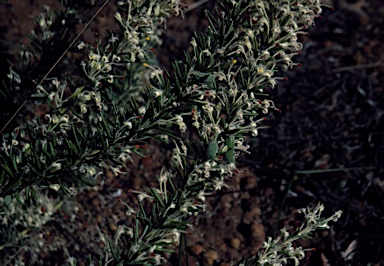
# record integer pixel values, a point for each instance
(235, 243)
(197, 249)
(99, 218)
(95, 202)
(210, 257)
(258, 231)
(112, 226)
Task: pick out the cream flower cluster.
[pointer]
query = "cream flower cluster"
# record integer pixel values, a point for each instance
(232, 99)
(34, 217)
(175, 210)
(281, 250)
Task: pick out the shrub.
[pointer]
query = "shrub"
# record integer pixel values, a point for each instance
(76, 128)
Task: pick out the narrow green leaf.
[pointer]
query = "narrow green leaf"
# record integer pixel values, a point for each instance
(142, 211)
(154, 193)
(138, 152)
(53, 150)
(7, 199)
(106, 127)
(90, 155)
(6, 168)
(27, 194)
(14, 163)
(114, 250)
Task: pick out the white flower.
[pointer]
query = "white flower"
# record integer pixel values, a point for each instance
(41, 90)
(201, 196)
(55, 119)
(95, 65)
(183, 127)
(55, 166)
(159, 259)
(218, 184)
(176, 236)
(113, 39)
(116, 170)
(84, 96)
(193, 42)
(55, 187)
(26, 147)
(120, 230)
(143, 196)
(163, 176)
(64, 118)
(157, 93)
(337, 215)
(184, 210)
(118, 17)
(264, 110)
(107, 67)
(261, 69)
(179, 119)
(164, 138)
(81, 45)
(130, 210)
(104, 58)
(56, 82)
(116, 58)
(83, 108)
(128, 124)
(284, 233)
(124, 157)
(272, 81)
(129, 232)
(216, 129)
(142, 110)
(157, 72)
(239, 114)
(91, 170)
(93, 56)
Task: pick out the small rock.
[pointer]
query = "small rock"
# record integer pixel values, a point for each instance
(235, 243)
(92, 193)
(269, 192)
(210, 257)
(109, 174)
(258, 231)
(249, 182)
(221, 245)
(95, 202)
(251, 215)
(197, 249)
(146, 163)
(258, 236)
(112, 226)
(99, 218)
